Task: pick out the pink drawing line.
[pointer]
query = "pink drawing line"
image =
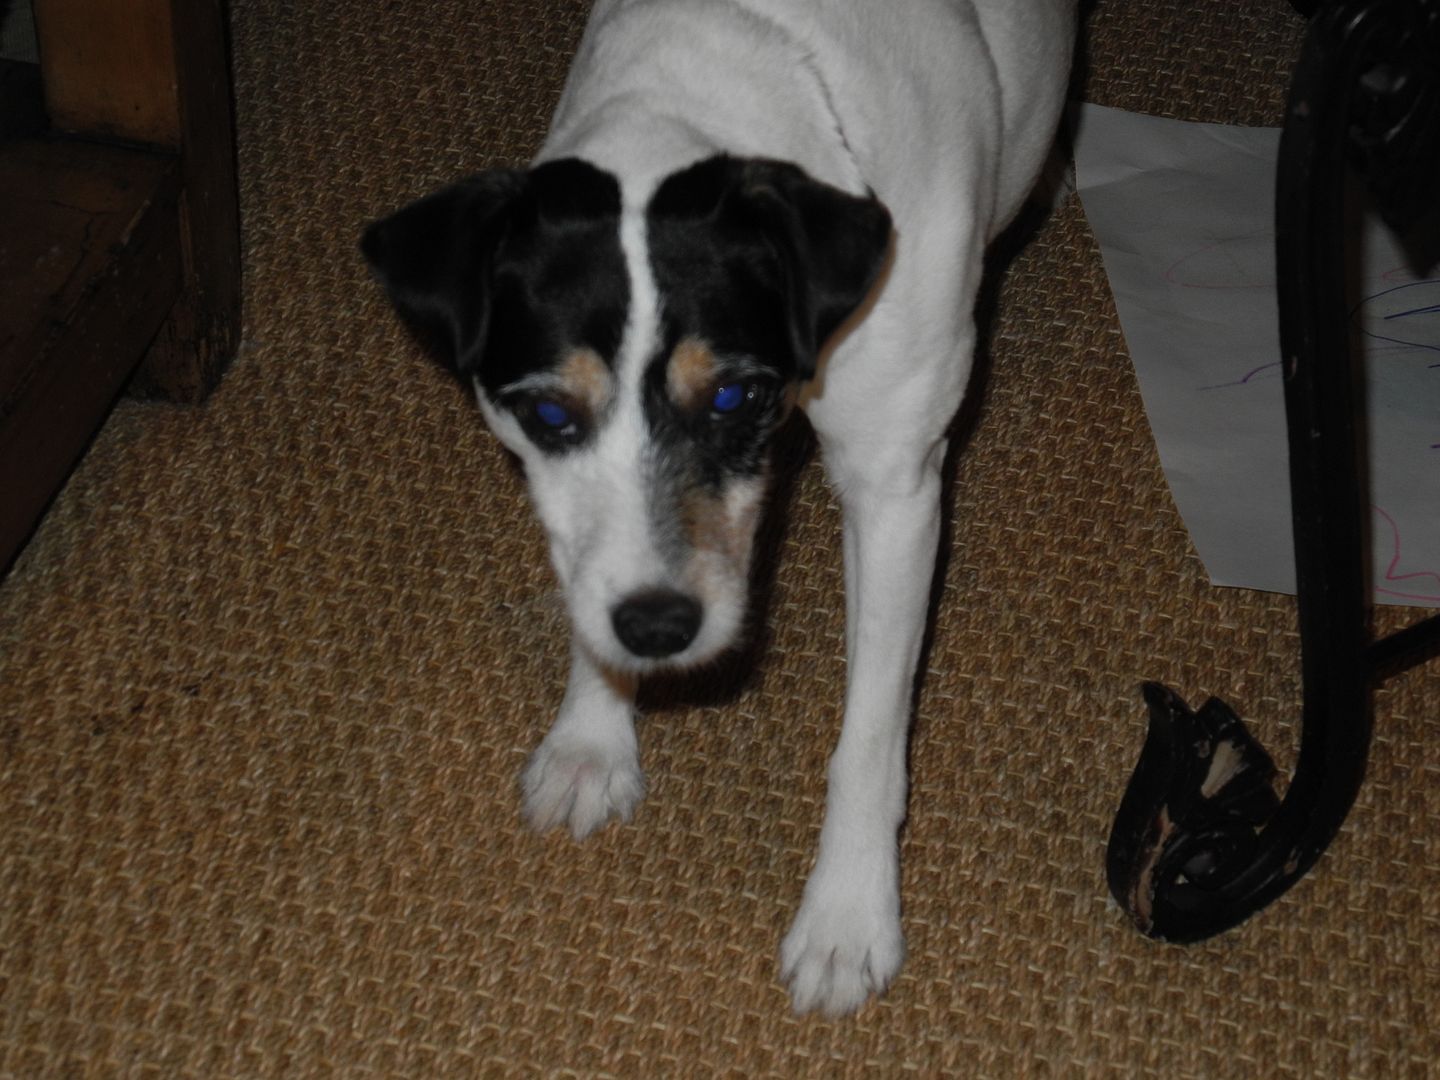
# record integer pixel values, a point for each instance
(1392, 576)
(1171, 274)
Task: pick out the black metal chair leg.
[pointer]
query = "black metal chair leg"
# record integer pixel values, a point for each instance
(1201, 841)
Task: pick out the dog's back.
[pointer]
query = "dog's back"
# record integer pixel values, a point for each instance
(889, 97)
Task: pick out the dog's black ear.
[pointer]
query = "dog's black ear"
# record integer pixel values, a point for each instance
(832, 246)
(433, 257)
(828, 246)
(446, 259)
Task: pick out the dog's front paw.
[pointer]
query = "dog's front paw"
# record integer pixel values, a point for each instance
(581, 785)
(844, 945)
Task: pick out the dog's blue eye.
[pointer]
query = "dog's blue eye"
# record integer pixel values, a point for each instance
(728, 398)
(552, 414)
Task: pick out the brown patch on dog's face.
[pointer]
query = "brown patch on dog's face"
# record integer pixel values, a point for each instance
(586, 379)
(690, 374)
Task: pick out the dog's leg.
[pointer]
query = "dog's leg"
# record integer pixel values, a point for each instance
(846, 942)
(587, 769)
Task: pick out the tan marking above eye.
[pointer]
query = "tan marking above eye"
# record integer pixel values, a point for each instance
(586, 379)
(690, 375)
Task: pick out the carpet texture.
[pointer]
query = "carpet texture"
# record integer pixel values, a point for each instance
(270, 668)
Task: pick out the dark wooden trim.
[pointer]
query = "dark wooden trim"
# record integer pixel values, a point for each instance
(197, 342)
(92, 264)
(110, 68)
(156, 72)
(145, 228)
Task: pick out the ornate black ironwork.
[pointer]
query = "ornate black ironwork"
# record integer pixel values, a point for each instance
(1191, 813)
(1200, 841)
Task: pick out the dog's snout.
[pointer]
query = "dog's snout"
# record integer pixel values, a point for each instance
(656, 623)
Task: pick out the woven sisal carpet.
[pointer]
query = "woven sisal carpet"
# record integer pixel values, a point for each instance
(270, 668)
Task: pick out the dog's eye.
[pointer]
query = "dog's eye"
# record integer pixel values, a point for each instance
(730, 397)
(553, 415)
(550, 424)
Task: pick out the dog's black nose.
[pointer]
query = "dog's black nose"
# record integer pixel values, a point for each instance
(656, 623)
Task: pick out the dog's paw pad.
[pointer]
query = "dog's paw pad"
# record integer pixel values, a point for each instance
(837, 955)
(580, 787)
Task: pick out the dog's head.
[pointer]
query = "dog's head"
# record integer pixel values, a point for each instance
(637, 359)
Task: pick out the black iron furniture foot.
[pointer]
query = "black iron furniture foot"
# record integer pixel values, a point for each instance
(1201, 841)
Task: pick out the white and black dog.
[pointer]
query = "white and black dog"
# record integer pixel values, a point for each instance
(742, 206)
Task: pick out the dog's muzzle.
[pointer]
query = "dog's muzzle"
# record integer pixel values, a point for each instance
(656, 623)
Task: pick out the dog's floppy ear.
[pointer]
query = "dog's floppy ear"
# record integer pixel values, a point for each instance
(828, 246)
(433, 257)
(444, 258)
(832, 246)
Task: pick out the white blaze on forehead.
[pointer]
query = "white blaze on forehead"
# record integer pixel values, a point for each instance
(622, 444)
(642, 321)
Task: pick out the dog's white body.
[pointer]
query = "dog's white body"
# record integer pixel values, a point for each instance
(945, 110)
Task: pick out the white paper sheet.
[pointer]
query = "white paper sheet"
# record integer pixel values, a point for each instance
(1184, 217)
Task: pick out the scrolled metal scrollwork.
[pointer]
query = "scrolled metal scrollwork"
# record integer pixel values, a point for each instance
(1190, 820)
(1201, 841)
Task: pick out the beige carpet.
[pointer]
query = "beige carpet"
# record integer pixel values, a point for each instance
(270, 667)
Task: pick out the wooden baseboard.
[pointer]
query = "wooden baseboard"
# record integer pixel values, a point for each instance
(91, 258)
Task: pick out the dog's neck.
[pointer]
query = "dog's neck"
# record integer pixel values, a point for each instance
(666, 92)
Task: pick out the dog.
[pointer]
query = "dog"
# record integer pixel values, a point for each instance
(742, 207)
